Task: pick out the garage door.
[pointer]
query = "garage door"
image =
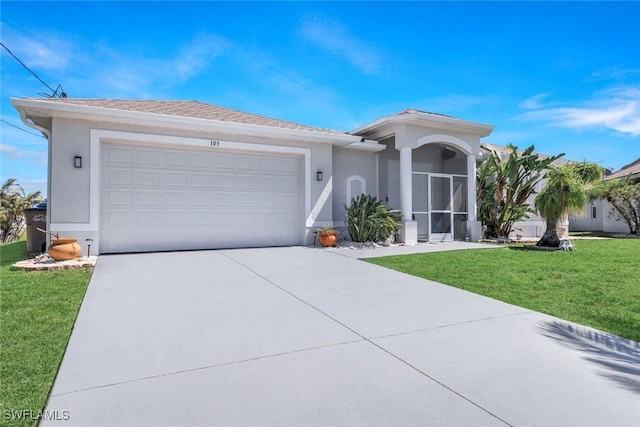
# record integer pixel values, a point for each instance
(155, 199)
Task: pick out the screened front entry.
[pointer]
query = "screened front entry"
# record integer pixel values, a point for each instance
(440, 206)
(440, 195)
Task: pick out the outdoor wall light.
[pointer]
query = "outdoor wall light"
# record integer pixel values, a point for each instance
(319, 176)
(77, 162)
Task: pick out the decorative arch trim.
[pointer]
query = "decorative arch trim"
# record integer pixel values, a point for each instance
(361, 180)
(457, 142)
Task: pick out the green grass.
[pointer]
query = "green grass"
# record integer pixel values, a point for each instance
(589, 234)
(37, 312)
(597, 285)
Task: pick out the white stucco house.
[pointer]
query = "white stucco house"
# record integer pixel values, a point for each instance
(137, 175)
(598, 214)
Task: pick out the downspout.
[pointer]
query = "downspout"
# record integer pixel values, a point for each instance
(47, 134)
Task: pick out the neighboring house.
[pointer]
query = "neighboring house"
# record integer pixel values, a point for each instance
(597, 214)
(140, 176)
(533, 226)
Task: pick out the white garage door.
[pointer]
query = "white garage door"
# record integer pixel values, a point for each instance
(157, 199)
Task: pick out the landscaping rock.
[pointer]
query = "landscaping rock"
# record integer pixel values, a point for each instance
(45, 262)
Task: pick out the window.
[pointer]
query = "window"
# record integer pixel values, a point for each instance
(594, 212)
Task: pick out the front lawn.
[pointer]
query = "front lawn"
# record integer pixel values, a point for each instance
(37, 312)
(598, 285)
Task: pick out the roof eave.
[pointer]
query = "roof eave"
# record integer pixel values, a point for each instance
(434, 121)
(42, 108)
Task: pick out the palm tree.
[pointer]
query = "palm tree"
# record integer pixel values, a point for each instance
(13, 201)
(564, 193)
(504, 186)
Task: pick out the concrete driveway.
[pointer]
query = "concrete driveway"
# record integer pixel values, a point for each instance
(304, 336)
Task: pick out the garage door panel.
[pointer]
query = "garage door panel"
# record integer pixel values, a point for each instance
(174, 217)
(175, 179)
(201, 180)
(147, 198)
(169, 199)
(292, 168)
(198, 161)
(124, 218)
(281, 184)
(118, 197)
(199, 199)
(247, 163)
(175, 158)
(150, 218)
(119, 177)
(224, 181)
(148, 178)
(147, 156)
(117, 155)
(174, 198)
(200, 218)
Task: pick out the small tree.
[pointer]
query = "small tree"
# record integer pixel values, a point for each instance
(369, 220)
(624, 197)
(13, 201)
(505, 185)
(564, 193)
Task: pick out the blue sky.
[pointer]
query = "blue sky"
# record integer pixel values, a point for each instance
(562, 76)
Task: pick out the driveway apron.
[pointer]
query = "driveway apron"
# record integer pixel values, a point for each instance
(304, 336)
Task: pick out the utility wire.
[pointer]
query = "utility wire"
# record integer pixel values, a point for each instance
(54, 91)
(18, 127)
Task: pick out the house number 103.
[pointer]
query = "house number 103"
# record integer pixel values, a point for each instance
(215, 143)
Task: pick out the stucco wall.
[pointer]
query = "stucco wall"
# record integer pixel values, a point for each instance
(586, 222)
(605, 219)
(69, 196)
(351, 163)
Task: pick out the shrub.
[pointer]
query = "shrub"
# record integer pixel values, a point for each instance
(369, 220)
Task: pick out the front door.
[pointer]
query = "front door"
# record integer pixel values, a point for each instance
(441, 213)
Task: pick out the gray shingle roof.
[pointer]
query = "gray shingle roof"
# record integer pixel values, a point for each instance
(631, 169)
(191, 109)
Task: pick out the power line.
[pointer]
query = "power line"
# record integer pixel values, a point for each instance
(54, 91)
(18, 127)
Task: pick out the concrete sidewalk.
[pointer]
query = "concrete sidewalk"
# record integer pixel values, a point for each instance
(303, 336)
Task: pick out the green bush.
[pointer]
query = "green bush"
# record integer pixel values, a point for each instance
(369, 220)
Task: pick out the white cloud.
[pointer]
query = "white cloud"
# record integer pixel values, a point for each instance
(614, 73)
(39, 50)
(198, 54)
(533, 102)
(139, 76)
(617, 109)
(336, 38)
(12, 152)
(87, 68)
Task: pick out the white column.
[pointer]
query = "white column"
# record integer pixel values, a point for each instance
(406, 184)
(474, 227)
(472, 207)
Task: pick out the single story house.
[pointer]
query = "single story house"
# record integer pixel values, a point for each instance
(144, 175)
(598, 214)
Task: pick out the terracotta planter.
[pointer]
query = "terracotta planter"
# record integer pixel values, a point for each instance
(328, 239)
(64, 249)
